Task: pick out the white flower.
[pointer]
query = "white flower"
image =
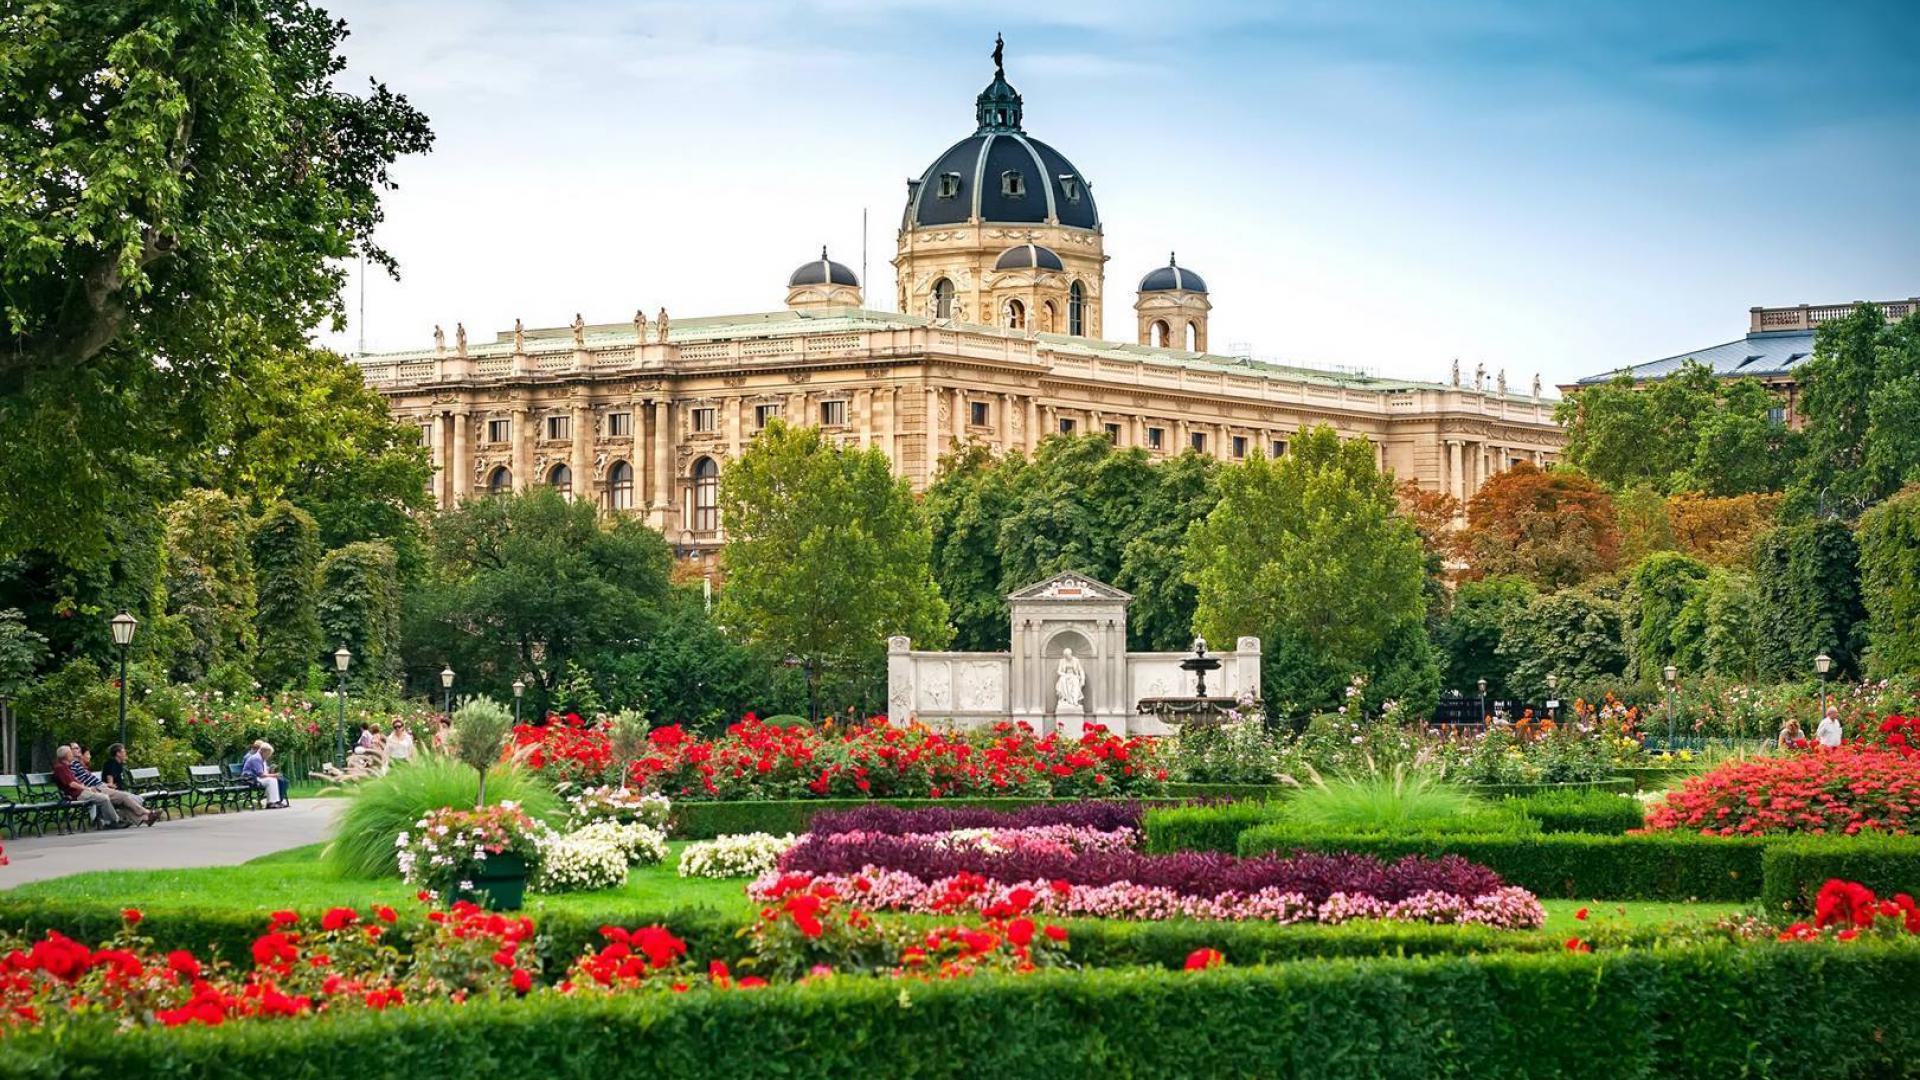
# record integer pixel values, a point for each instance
(736, 855)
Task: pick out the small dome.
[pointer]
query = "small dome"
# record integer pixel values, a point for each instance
(1028, 256)
(823, 271)
(1171, 277)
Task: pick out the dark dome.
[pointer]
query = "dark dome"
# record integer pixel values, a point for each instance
(1028, 256)
(1001, 174)
(1170, 277)
(823, 271)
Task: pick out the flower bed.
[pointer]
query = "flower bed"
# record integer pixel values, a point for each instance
(448, 849)
(1103, 815)
(1849, 789)
(930, 874)
(873, 759)
(737, 855)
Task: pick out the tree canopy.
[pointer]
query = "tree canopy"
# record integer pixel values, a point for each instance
(1860, 397)
(184, 180)
(1688, 431)
(1553, 528)
(1310, 554)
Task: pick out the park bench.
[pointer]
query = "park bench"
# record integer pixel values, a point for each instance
(252, 792)
(165, 798)
(208, 785)
(53, 805)
(23, 808)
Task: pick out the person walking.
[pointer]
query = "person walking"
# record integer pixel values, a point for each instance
(1828, 733)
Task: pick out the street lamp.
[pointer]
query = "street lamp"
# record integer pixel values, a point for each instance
(1673, 674)
(341, 659)
(446, 687)
(1553, 698)
(123, 626)
(1483, 701)
(1823, 664)
(519, 688)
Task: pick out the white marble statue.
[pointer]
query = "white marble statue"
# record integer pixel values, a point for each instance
(1070, 679)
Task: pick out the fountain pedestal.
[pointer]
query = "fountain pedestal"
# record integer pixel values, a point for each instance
(1195, 710)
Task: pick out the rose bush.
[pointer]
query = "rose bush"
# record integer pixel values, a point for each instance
(1849, 789)
(1847, 910)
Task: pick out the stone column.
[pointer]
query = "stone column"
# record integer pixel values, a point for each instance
(1033, 424)
(1454, 485)
(437, 448)
(662, 495)
(797, 414)
(582, 461)
(522, 448)
(734, 442)
(863, 405)
(930, 457)
(1223, 443)
(462, 463)
(1003, 424)
(893, 427)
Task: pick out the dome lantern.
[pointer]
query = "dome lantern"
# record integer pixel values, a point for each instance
(822, 283)
(1172, 305)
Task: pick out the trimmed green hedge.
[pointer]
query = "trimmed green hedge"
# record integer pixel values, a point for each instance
(1662, 866)
(1769, 1010)
(706, 820)
(1493, 791)
(1255, 792)
(1796, 868)
(1203, 828)
(1601, 812)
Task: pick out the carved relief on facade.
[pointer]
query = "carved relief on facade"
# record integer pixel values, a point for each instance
(980, 688)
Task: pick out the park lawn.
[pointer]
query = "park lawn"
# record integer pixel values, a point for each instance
(295, 879)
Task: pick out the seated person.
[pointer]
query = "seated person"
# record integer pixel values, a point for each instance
(114, 772)
(256, 766)
(131, 808)
(73, 790)
(400, 743)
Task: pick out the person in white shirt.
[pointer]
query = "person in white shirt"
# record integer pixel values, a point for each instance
(1828, 733)
(400, 743)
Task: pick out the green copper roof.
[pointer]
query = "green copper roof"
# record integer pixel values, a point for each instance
(784, 323)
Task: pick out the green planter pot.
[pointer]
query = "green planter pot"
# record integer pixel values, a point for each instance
(502, 886)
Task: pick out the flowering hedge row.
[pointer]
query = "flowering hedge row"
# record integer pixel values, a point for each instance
(1778, 1010)
(1101, 815)
(1795, 868)
(706, 820)
(872, 759)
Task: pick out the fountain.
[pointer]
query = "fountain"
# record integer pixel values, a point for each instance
(1199, 709)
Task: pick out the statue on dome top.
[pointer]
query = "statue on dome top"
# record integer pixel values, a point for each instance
(999, 56)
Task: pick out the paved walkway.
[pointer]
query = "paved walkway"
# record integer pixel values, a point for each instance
(206, 840)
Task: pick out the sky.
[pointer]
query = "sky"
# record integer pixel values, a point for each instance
(1561, 188)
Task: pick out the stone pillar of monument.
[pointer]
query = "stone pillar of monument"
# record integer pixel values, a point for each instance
(522, 448)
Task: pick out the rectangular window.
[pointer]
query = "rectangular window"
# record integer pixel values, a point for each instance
(1156, 438)
(978, 413)
(706, 420)
(426, 434)
(1199, 439)
(1066, 425)
(1279, 448)
(499, 431)
(833, 413)
(1776, 415)
(1070, 184)
(949, 185)
(763, 414)
(1113, 433)
(559, 427)
(620, 425)
(1239, 446)
(1012, 184)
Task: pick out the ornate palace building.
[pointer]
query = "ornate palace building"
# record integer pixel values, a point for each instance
(1002, 295)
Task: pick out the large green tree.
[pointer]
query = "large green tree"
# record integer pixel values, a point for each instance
(1469, 636)
(210, 584)
(1860, 398)
(183, 182)
(286, 563)
(1659, 589)
(1688, 431)
(967, 506)
(1153, 565)
(1309, 554)
(1809, 580)
(827, 553)
(1889, 539)
(1574, 635)
(528, 584)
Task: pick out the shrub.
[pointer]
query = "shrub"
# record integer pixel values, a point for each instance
(1104, 816)
(1601, 812)
(480, 730)
(617, 804)
(1851, 788)
(706, 820)
(1681, 1013)
(1675, 867)
(1795, 869)
(1204, 828)
(581, 861)
(1385, 801)
(740, 855)
(380, 809)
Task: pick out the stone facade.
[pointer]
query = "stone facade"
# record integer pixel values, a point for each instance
(1001, 283)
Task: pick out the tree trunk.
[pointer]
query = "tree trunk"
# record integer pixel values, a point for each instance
(481, 799)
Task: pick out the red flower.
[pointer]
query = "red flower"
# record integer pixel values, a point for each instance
(1202, 959)
(274, 950)
(1574, 944)
(1020, 931)
(132, 916)
(182, 962)
(284, 918)
(338, 918)
(1057, 933)
(1581, 914)
(386, 914)
(522, 980)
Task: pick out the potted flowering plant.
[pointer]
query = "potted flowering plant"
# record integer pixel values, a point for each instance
(482, 856)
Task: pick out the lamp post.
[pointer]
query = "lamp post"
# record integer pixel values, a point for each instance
(341, 659)
(1553, 698)
(1673, 674)
(446, 689)
(519, 689)
(1823, 664)
(1483, 701)
(123, 626)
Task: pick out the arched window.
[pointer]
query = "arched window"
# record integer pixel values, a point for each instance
(1193, 337)
(1013, 315)
(560, 479)
(1077, 310)
(943, 299)
(706, 495)
(620, 486)
(1159, 335)
(499, 481)
(1047, 314)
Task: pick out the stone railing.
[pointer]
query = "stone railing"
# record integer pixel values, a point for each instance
(1808, 316)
